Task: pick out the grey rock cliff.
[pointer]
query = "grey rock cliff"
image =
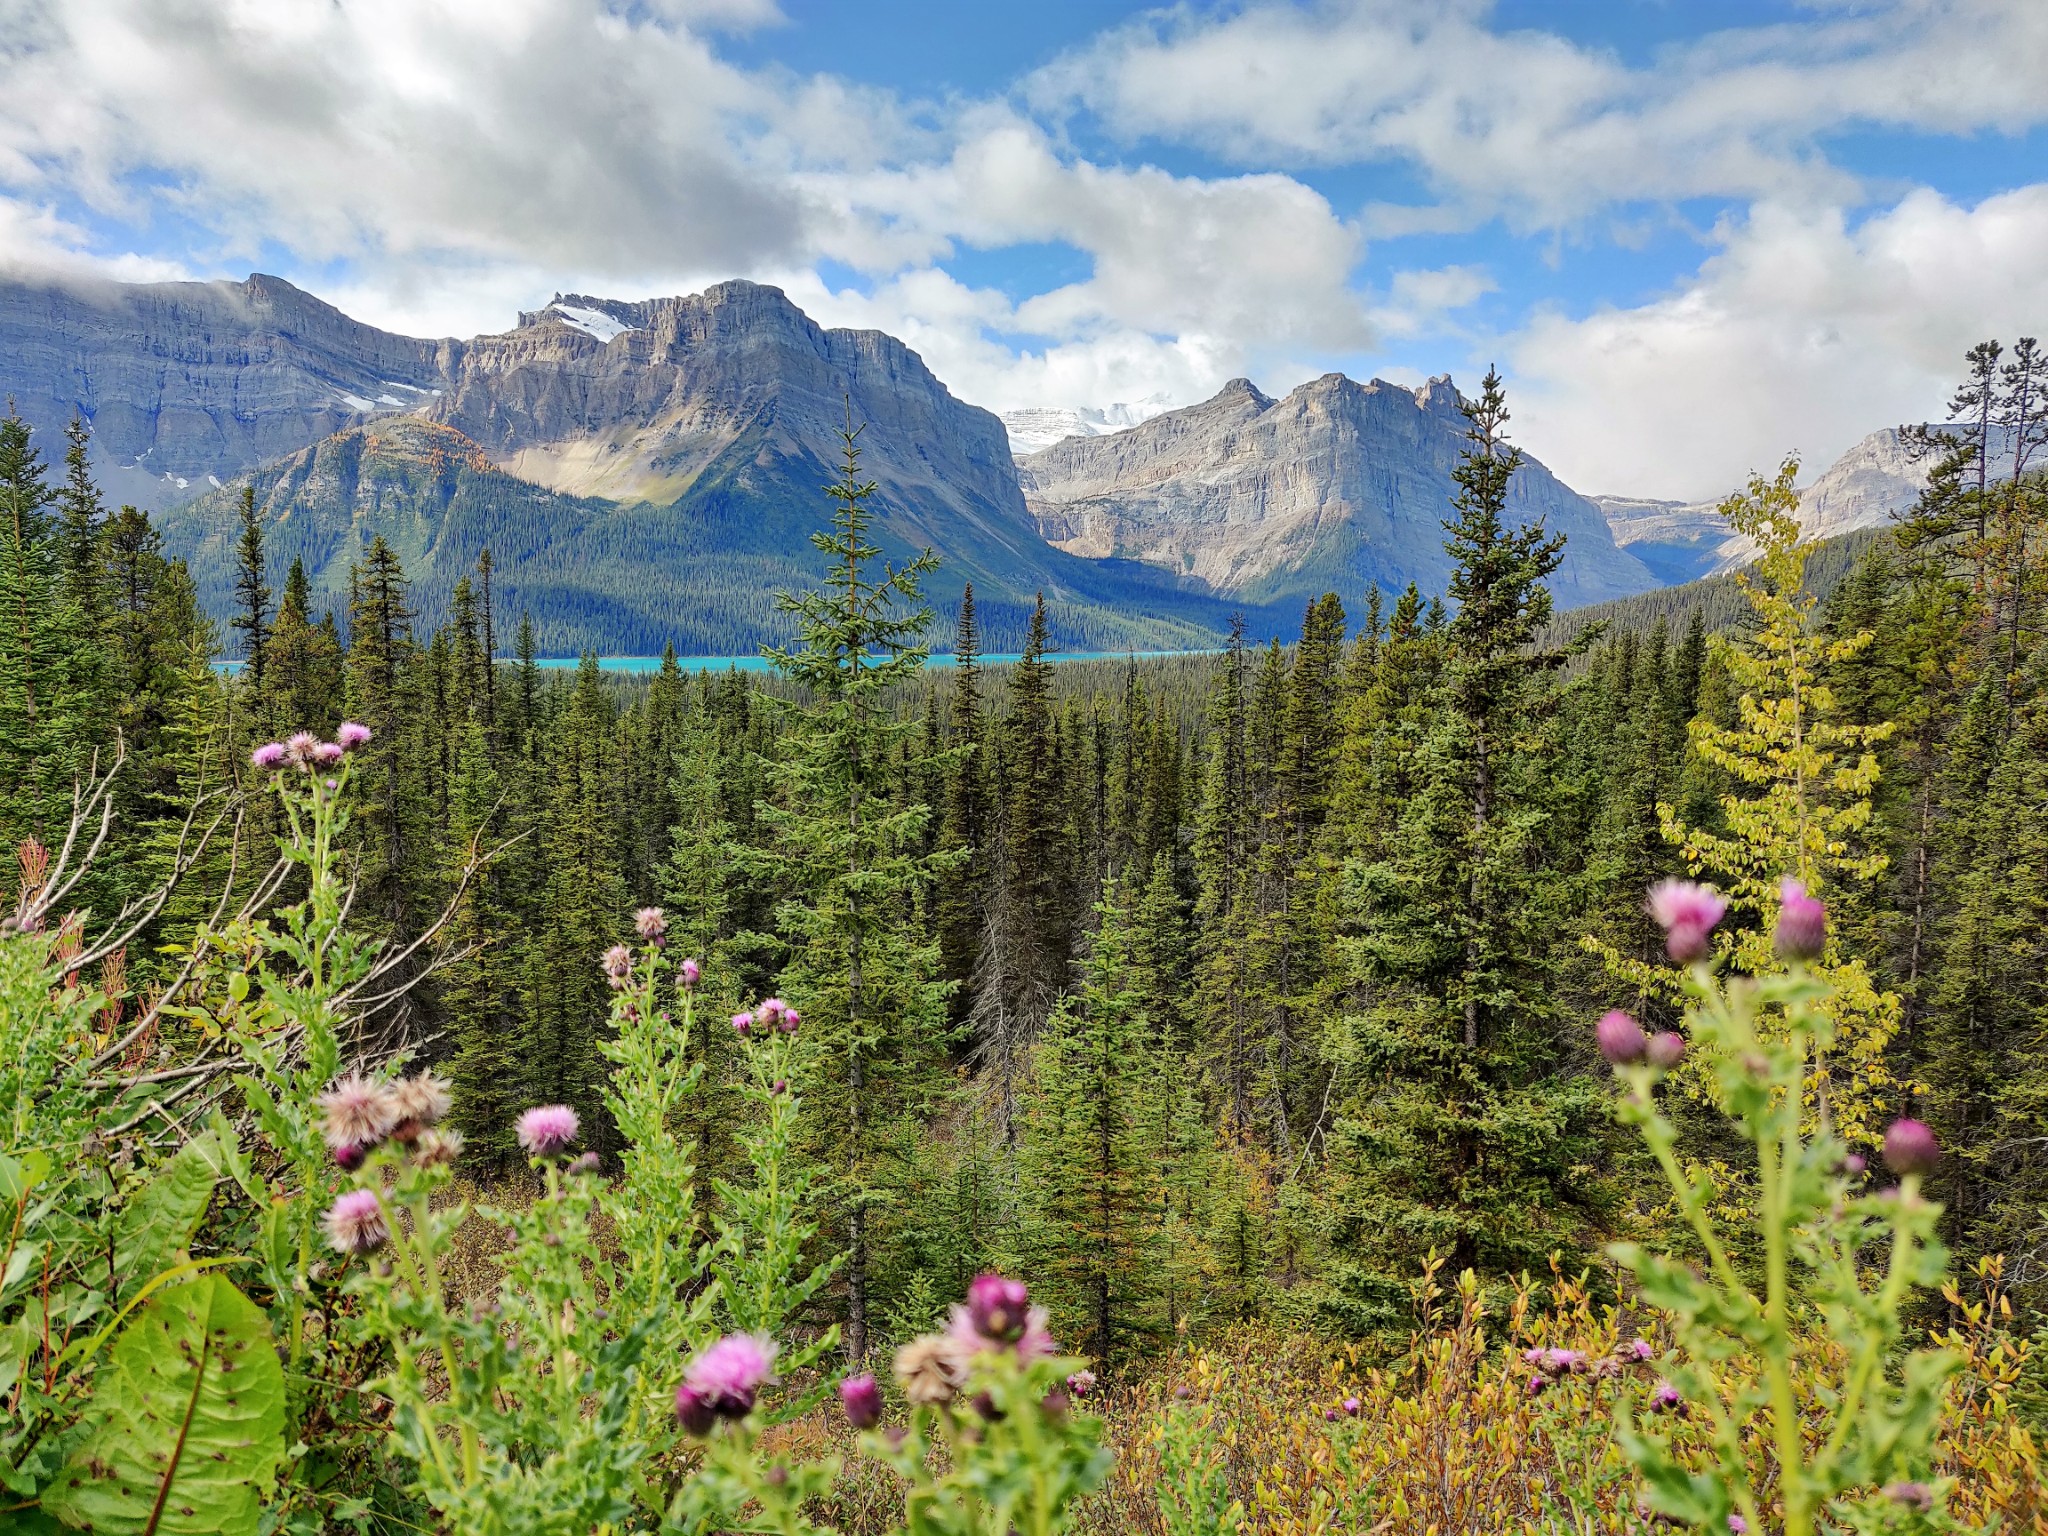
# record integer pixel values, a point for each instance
(1337, 485)
(185, 381)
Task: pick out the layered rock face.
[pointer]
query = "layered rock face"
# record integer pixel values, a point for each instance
(186, 384)
(1875, 481)
(1339, 485)
(653, 401)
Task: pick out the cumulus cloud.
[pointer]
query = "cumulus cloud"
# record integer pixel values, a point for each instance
(569, 134)
(436, 165)
(1803, 332)
(1530, 125)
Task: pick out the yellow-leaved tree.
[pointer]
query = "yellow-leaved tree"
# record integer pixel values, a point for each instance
(1804, 778)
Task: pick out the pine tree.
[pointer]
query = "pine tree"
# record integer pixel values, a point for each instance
(859, 963)
(252, 595)
(380, 695)
(966, 826)
(45, 720)
(1223, 847)
(1457, 1135)
(1089, 1233)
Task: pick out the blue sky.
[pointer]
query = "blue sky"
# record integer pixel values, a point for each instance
(1694, 236)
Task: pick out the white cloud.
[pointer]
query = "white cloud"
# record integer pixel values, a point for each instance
(1801, 334)
(562, 134)
(1543, 130)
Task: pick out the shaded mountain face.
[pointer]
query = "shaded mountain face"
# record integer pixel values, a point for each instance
(1339, 485)
(188, 384)
(619, 577)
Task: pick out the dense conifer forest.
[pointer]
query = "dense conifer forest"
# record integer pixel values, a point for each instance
(1201, 989)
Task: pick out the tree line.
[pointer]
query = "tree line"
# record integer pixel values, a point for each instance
(1212, 989)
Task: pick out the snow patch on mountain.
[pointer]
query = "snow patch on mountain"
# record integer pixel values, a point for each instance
(592, 322)
(1040, 426)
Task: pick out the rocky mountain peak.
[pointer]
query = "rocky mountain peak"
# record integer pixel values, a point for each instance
(1338, 485)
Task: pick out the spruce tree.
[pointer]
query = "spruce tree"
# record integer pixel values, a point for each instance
(859, 962)
(1089, 1234)
(1457, 1134)
(252, 594)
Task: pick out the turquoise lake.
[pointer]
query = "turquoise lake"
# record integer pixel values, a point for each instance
(760, 663)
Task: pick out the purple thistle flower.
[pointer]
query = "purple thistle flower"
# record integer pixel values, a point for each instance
(1687, 913)
(1538, 1385)
(352, 735)
(651, 925)
(779, 1087)
(790, 1019)
(586, 1163)
(1737, 1524)
(862, 1400)
(1913, 1495)
(694, 1411)
(618, 966)
(730, 1373)
(1532, 1357)
(1667, 1397)
(350, 1157)
(355, 1223)
(1802, 923)
(1639, 1349)
(270, 755)
(326, 753)
(548, 1128)
(743, 1024)
(998, 1308)
(691, 973)
(1561, 1361)
(1351, 1407)
(1620, 1038)
(360, 1113)
(1665, 1050)
(301, 746)
(1081, 1383)
(769, 1011)
(1910, 1148)
(1854, 1164)
(1330, 1414)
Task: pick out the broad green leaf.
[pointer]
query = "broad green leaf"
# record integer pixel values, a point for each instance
(189, 1422)
(160, 1218)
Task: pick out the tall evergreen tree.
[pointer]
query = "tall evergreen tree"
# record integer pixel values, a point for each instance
(1456, 1134)
(859, 962)
(1090, 1233)
(252, 593)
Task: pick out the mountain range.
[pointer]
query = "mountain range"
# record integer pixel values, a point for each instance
(648, 472)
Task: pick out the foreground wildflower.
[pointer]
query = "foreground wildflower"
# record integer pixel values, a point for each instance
(618, 966)
(1802, 931)
(1688, 914)
(355, 1223)
(1910, 1147)
(932, 1369)
(420, 1100)
(1620, 1038)
(724, 1380)
(270, 755)
(862, 1400)
(359, 1113)
(547, 1129)
(651, 925)
(352, 734)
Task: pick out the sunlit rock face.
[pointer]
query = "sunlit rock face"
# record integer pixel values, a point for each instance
(1334, 487)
